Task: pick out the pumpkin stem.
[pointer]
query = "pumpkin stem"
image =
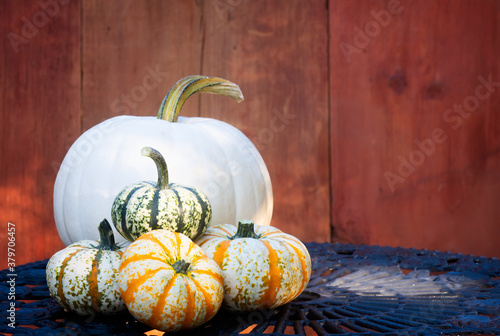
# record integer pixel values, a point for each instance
(181, 266)
(161, 166)
(107, 238)
(184, 88)
(245, 229)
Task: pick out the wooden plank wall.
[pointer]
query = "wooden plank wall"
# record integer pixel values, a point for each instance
(357, 86)
(40, 95)
(254, 44)
(415, 133)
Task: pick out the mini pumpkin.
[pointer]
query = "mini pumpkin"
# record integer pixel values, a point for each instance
(83, 276)
(262, 266)
(168, 283)
(146, 206)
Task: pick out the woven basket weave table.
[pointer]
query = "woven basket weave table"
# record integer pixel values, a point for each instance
(354, 290)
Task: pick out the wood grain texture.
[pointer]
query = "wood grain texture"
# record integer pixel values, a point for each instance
(246, 43)
(133, 52)
(40, 99)
(341, 97)
(396, 101)
(277, 51)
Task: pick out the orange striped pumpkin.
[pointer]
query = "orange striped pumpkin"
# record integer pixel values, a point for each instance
(168, 283)
(262, 266)
(83, 276)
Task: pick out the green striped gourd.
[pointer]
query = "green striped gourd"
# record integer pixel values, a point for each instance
(83, 277)
(145, 206)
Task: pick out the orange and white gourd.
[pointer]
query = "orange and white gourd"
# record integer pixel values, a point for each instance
(262, 266)
(83, 276)
(168, 283)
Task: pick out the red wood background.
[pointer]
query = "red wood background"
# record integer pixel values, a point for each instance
(403, 89)
(389, 135)
(40, 96)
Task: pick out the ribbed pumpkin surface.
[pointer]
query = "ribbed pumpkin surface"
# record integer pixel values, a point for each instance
(143, 207)
(83, 279)
(266, 271)
(168, 283)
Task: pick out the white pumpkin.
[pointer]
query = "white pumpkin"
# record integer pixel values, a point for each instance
(208, 154)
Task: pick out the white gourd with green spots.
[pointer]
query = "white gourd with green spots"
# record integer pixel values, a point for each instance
(262, 266)
(83, 276)
(146, 206)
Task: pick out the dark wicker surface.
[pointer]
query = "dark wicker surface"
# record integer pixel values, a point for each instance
(355, 290)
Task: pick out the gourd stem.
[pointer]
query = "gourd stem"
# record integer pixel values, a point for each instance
(245, 229)
(184, 88)
(181, 266)
(107, 238)
(161, 166)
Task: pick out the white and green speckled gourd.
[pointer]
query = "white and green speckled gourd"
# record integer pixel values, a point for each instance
(83, 276)
(146, 206)
(262, 266)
